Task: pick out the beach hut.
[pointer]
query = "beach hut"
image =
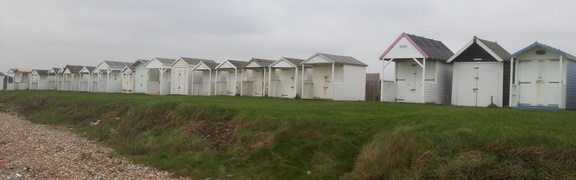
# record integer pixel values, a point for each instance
(110, 76)
(3, 81)
(481, 74)
(60, 79)
(158, 72)
(204, 84)
(543, 76)
(71, 77)
(183, 76)
(228, 78)
(421, 71)
(140, 76)
(255, 77)
(284, 81)
(39, 79)
(85, 78)
(21, 78)
(52, 78)
(334, 77)
(128, 79)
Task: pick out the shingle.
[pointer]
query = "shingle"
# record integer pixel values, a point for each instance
(340, 59)
(433, 48)
(496, 48)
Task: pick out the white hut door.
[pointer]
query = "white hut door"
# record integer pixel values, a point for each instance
(467, 85)
(409, 81)
(539, 83)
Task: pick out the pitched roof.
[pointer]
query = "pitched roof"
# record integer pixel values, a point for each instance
(41, 71)
(210, 64)
(2, 74)
(260, 62)
(294, 61)
(20, 70)
(493, 48)
(165, 61)
(142, 61)
(338, 59)
(194, 61)
(429, 48)
(235, 63)
(549, 48)
(74, 68)
(54, 70)
(117, 64)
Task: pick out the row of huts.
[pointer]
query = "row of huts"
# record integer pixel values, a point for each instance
(322, 76)
(480, 74)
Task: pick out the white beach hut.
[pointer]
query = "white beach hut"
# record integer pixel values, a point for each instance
(284, 81)
(255, 77)
(481, 74)
(52, 78)
(422, 73)
(39, 79)
(334, 77)
(183, 76)
(21, 78)
(85, 78)
(71, 77)
(543, 77)
(205, 83)
(3, 82)
(158, 73)
(110, 76)
(228, 78)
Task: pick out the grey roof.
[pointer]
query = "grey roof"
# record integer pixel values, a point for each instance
(338, 59)
(90, 68)
(143, 61)
(74, 68)
(2, 74)
(238, 64)
(41, 71)
(496, 48)
(433, 48)
(492, 46)
(56, 70)
(211, 64)
(295, 61)
(194, 61)
(117, 64)
(262, 62)
(130, 67)
(165, 61)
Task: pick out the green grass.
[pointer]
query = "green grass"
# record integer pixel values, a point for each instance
(267, 138)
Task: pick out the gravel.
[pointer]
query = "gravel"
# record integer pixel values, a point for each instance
(35, 151)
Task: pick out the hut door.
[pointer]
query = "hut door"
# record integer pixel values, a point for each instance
(467, 85)
(409, 81)
(539, 83)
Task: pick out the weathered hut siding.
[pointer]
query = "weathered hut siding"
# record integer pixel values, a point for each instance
(350, 83)
(571, 85)
(444, 82)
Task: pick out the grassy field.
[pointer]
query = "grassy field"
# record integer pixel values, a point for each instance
(267, 138)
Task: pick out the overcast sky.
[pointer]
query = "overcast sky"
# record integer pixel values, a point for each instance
(42, 34)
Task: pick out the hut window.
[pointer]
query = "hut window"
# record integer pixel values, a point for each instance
(541, 52)
(477, 59)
